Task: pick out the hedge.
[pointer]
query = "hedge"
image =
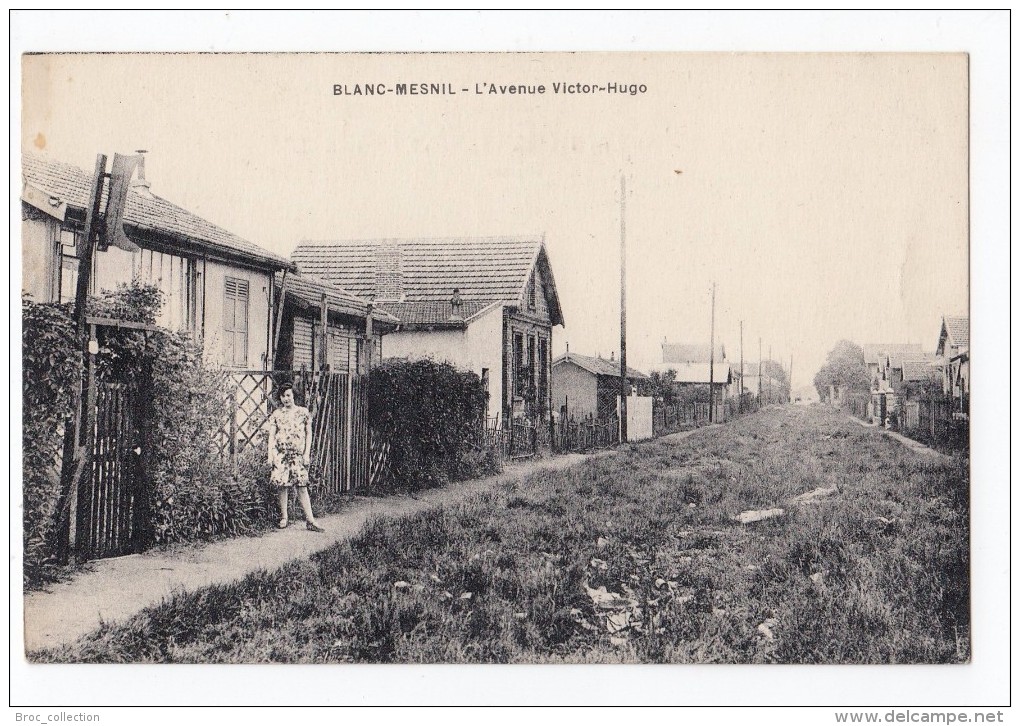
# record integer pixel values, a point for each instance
(432, 415)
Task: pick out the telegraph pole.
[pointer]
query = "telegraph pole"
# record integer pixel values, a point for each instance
(790, 397)
(759, 370)
(623, 309)
(770, 375)
(711, 364)
(741, 399)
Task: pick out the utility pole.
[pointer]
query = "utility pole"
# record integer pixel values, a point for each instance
(711, 363)
(623, 309)
(74, 456)
(741, 399)
(759, 370)
(770, 375)
(790, 397)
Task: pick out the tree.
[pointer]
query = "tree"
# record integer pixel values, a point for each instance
(776, 385)
(660, 385)
(844, 367)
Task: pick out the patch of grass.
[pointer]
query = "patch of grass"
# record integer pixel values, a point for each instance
(877, 573)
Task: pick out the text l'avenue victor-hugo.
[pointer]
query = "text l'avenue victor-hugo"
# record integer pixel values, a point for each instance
(570, 88)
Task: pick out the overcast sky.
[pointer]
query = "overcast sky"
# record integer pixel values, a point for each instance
(826, 195)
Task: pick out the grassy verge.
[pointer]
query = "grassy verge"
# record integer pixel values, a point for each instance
(629, 558)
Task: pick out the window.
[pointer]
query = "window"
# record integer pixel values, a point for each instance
(543, 371)
(235, 321)
(520, 378)
(531, 364)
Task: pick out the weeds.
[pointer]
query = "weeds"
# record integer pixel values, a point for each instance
(633, 558)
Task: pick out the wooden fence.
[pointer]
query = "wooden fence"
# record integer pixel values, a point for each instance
(937, 422)
(586, 434)
(519, 440)
(343, 458)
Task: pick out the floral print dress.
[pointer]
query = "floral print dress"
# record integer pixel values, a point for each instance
(289, 425)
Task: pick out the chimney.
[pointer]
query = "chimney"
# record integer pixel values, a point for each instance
(455, 305)
(389, 277)
(140, 184)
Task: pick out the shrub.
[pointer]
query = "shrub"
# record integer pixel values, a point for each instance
(51, 370)
(431, 413)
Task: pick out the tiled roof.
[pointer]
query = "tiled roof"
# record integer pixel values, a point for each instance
(484, 269)
(897, 351)
(921, 370)
(436, 313)
(144, 212)
(598, 366)
(958, 327)
(310, 290)
(689, 353)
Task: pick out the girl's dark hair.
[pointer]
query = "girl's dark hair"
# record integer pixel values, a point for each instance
(283, 388)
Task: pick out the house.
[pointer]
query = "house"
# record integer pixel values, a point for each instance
(954, 346)
(885, 361)
(692, 374)
(585, 386)
(691, 363)
(300, 343)
(764, 385)
(485, 304)
(216, 285)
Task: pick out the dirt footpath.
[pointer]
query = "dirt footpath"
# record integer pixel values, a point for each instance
(114, 589)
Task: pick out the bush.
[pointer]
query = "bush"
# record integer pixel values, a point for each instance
(51, 370)
(431, 413)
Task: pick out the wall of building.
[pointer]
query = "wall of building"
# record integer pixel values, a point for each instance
(575, 387)
(475, 349)
(541, 308)
(38, 257)
(212, 296)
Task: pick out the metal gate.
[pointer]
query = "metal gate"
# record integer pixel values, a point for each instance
(110, 496)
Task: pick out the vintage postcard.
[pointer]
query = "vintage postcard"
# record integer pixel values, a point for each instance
(496, 358)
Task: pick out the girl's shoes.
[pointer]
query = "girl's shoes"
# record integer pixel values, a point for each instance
(283, 524)
(313, 527)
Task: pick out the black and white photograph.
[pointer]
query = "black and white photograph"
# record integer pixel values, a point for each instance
(539, 358)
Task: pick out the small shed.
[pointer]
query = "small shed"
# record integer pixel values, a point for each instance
(583, 385)
(307, 302)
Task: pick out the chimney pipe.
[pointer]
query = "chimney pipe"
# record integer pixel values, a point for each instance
(141, 184)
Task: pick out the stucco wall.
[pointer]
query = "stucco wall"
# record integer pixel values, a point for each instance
(576, 387)
(474, 349)
(211, 291)
(38, 240)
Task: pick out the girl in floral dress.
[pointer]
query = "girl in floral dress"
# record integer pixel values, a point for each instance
(290, 450)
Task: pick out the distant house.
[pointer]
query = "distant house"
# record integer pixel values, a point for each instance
(300, 343)
(765, 385)
(886, 364)
(216, 285)
(588, 386)
(690, 374)
(693, 366)
(885, 361)
(954, 347)
(487, 304)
